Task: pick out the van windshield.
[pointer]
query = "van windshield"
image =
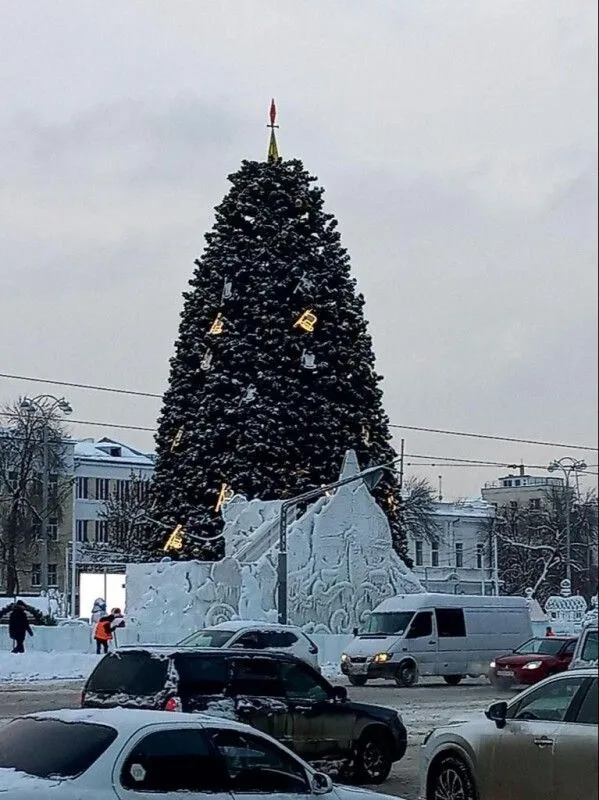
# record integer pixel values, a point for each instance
(396, 622)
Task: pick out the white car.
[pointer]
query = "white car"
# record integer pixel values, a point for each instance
(256, 635)
(541, 745)
(113, 754)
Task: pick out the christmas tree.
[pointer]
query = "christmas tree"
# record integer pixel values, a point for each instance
(273, 374)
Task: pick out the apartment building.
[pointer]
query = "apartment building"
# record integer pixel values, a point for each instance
(103, 468)
(521, 491)
(462, 558)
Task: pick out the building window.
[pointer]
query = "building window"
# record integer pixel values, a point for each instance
(101, 531)
(122, 490)
(459, 554)
(535, 503)
(81, 530)
(52, 575)
(53, 484)
(36, 574)
(81, 489)
(53, 529)
(435, 554)
(102, 488)
(514, 505)
(419, 560)
(480, 555)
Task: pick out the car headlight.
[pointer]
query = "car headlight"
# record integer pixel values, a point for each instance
(380, 658)
(532, 665)
(344, 658)
(492, 665)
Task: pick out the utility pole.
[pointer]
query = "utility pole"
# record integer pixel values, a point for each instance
(568, 465)
(44, 512)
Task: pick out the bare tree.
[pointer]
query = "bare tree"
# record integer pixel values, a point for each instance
(127, 514)
(418, 509)
(532, 544)
(21, 456)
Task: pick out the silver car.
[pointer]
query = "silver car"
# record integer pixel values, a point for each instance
(542, 745)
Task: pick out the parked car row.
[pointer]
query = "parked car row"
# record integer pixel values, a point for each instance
(116, 754)
(276, 693)
(130, 739)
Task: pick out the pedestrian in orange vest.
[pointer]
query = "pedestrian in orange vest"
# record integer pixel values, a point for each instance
(103, 634)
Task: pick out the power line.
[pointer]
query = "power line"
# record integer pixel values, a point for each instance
(94, 424)
(422, 429)
(73, 385)
(496, 438)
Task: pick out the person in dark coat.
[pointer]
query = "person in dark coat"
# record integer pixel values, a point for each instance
(18, 626)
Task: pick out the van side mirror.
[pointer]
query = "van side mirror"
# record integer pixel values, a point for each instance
(355, 631)
(497, 713)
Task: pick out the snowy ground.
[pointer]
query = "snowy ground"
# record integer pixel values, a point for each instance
(37, 666)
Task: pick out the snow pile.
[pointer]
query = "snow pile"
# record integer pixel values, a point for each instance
(36, 666)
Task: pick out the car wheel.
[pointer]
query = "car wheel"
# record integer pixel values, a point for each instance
(451, 780)
(373, 760)
(406, 674)
(452, 680)
(357, 680)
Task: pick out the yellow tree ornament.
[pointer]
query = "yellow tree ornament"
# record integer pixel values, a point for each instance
(175, 540)
(306, 321)
(217, 325)
(177, 439)
(225, 494)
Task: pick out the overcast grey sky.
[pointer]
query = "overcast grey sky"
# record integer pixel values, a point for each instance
(456, 141)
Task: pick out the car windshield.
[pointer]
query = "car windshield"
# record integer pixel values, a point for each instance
(389, 623)
(544, 647)
(51, 748)
(207, 638)
(129, 672)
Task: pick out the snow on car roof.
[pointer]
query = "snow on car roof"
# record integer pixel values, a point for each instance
(128, 720)
(255, 624)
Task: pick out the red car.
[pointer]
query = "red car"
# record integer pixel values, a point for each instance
(532, 661)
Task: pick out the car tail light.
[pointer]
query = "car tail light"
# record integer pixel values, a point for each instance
(172, 704)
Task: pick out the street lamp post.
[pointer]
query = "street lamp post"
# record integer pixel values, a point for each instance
(370, 476)
(45, 405)
(568, 465)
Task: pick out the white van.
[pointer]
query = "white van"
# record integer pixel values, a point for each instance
(435, 634)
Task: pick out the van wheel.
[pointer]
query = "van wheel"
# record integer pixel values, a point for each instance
(452, 680)
(451, 780)
(406, 674)
(373, 760)
(357, 680)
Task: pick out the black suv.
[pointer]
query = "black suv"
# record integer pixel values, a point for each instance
(274, 692)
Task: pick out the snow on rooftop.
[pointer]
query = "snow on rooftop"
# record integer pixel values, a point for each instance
(110, 450)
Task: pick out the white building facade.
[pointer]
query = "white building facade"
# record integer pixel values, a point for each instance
(103, 468)
(462, 558)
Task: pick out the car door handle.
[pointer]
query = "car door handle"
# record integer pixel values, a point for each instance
(544, 741)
